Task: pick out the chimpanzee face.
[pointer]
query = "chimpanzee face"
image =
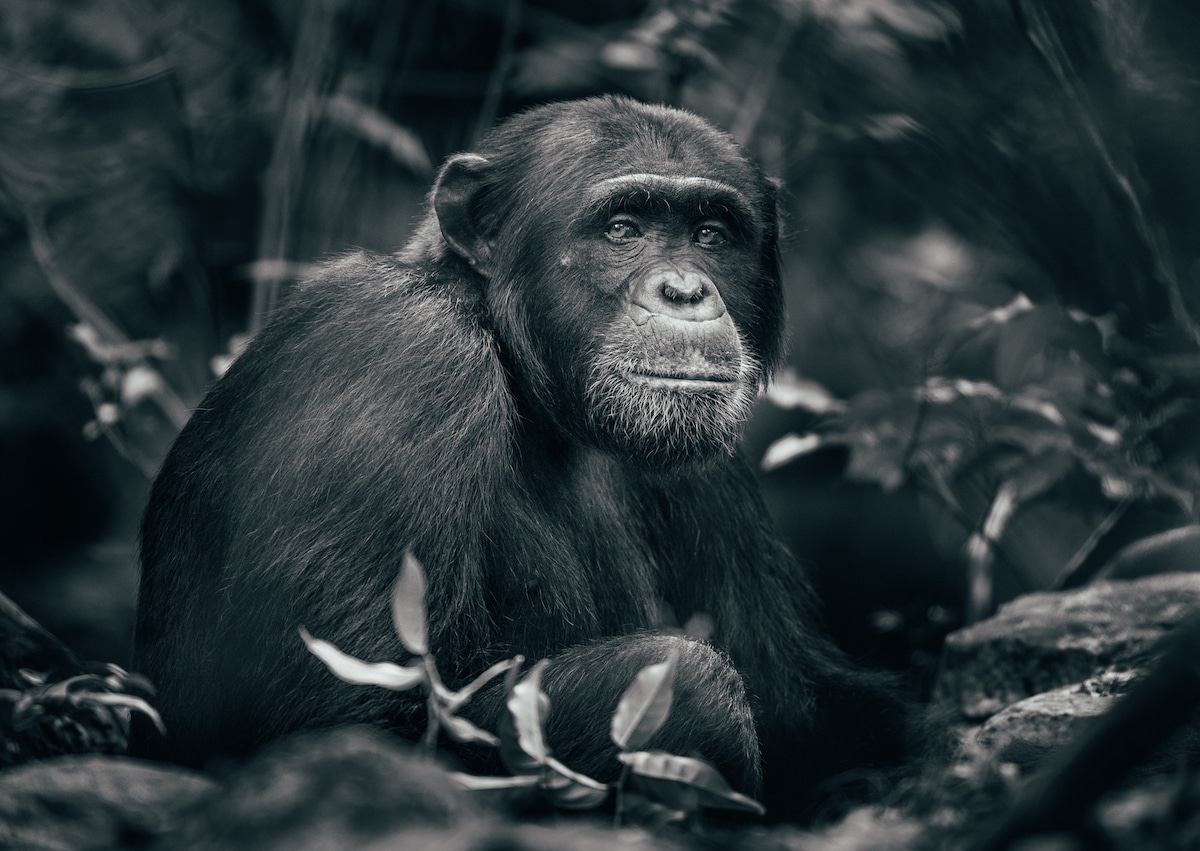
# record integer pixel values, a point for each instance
(639, 305)
(669, 375)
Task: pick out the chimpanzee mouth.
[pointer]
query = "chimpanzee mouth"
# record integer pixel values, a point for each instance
(682, 381)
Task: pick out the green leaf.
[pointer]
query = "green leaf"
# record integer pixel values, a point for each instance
(408, 605)
(522, 746)
(352, 670)
(684, 783)
(645, 705)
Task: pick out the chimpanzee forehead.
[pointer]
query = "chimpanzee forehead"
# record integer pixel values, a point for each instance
(668, 185)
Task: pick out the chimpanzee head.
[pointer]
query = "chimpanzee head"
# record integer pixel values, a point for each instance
(628, 263)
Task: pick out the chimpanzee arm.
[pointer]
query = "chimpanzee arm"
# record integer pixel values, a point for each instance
(816, 712)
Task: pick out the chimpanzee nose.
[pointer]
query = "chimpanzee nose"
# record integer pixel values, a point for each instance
(685, 294)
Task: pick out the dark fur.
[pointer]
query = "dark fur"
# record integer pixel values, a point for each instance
(411, 401)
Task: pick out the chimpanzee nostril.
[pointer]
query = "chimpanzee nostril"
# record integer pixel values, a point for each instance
(684, 295)
(686, 289)
(680, 296)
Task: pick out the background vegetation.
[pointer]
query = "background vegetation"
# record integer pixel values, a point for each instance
(991, 257)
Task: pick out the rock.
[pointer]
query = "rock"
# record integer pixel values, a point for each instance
(77, 803)
(343, 788)
(1176, 550)
(359, 788)
(862, 829)
(1029, 730)
(1047, 640)
(1161, 812)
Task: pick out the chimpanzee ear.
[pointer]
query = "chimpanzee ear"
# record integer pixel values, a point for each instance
(454, 199)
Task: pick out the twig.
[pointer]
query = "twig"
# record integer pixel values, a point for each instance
(88, 312)
(981, 556)
(1049, 46)
(499, 75)
(378, 129)
(81, 80)
(1067, 578)
(307, 78)
(759, 91)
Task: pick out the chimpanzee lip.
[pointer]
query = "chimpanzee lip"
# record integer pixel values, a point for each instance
(681, 381)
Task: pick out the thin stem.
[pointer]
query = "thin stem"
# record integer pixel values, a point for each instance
(90, 313)
(432, 726)
(619, 812)
(499, 75)
(1066, 577)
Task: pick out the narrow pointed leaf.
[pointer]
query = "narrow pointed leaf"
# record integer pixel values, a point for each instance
(510, 677)
(674, 779)
(460, 697)
(645, 705)
(571, 790)
(463, 731)
(81, 684)
(573, 796)
(353, 670)
(135, 703)
(408, 606)
(477, 783)
(522, 746)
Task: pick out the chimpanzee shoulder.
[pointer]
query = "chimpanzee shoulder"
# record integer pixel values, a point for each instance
(376, 405)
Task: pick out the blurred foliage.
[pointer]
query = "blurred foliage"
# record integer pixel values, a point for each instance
(962, 153)
(85, 713)
(991, 255)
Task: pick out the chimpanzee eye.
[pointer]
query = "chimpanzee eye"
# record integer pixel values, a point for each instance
(620, 230)
(709, 235)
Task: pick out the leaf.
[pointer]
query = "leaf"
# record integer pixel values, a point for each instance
(645, 705)
(458, 698)
(789, 391)
(463, 731)
(571, 790)
(352, 670)
(81, 684)
(684, 782)
(522, 745)
(135, 703)
(408, 606)
(510, 678)
(476, 783)
(788, 448)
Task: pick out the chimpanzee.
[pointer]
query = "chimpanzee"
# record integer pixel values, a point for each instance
(540, 395)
